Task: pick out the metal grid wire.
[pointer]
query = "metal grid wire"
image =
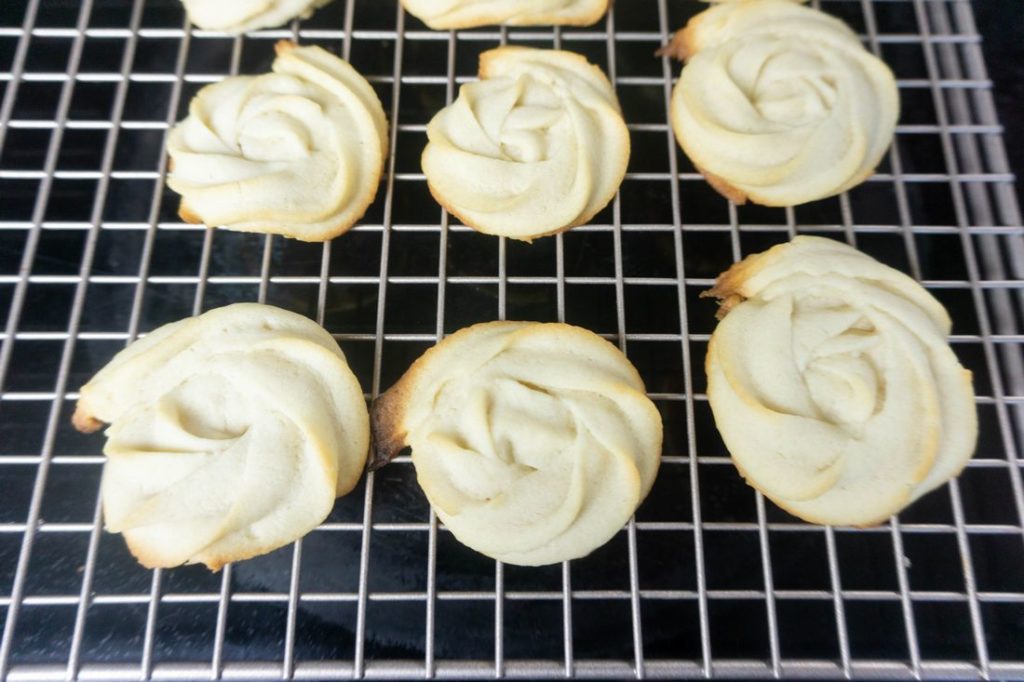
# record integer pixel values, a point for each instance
(709, 580)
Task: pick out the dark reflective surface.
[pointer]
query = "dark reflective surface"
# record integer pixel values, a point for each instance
(464, 620)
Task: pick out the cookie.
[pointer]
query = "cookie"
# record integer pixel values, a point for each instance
(534, 443)
(833, 384)
(231, 434)
(298, 152)
(780, 104)
(535, 147)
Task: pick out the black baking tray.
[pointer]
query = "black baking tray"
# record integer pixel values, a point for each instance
(710, 580)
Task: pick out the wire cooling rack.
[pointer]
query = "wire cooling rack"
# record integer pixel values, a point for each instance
(709, 580)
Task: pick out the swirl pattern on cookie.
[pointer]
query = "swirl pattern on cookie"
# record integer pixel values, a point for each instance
(297, 152)
(239, 16)
(447, 14)
(537, 146)
(231, 434)
(780, 103)
(533, 442)
(833, 384)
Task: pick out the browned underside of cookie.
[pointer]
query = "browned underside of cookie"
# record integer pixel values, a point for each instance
(285, 46)
(186, 214)
(682, 45)
(789, 508)
(85, 422)
(189, 216)
(446, 205)
(728, 286)
(722, 186)
(214, 563)
(677, 47)
(385, 424)
(586, 20)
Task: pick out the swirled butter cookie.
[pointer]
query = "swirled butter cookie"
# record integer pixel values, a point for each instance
(780, 103)
(239, 16)
(534, 443)
(535, 147)
(447, 14)
(230, 435)
(833, 384)
(297, 152)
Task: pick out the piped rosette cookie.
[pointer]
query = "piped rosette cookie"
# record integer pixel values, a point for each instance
(779, 103)
(230, 435)
(297, 152)
(833, 384)
(536, 146)
(534, 443)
